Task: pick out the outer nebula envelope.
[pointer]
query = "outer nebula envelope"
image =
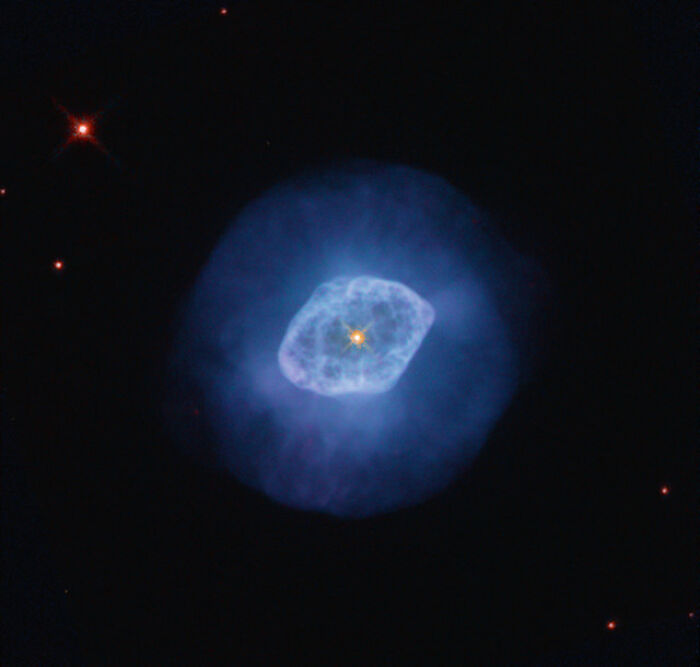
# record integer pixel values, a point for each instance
(352, 340)
(320, 351)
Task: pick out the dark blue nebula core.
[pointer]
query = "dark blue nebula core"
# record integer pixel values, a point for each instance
(458, 325)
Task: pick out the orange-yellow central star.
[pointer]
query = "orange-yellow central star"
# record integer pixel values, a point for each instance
(357, 337)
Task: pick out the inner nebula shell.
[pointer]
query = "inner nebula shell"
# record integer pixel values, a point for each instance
(323, 352)
(351, 341)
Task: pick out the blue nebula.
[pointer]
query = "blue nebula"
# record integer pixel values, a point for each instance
(322, 352)
(296, 409)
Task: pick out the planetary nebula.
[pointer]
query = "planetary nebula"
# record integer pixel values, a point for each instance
(352, 340)
(322, 352)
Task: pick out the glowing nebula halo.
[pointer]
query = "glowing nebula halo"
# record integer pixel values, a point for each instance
(359, 454)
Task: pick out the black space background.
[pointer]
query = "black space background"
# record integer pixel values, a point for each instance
(575, 129)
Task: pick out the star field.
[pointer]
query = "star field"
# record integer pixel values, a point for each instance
(121, 171)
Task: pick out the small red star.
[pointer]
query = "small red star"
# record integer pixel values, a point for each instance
(58, 264)
(223, 11)
(691, 614)
(664, 490)
(611, 625)
(3, 192)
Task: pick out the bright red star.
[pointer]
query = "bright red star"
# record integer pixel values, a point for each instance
(81, 129)
(664, 490)
(223, 11)
(3, 192)
(611, 625)
(58, 264)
